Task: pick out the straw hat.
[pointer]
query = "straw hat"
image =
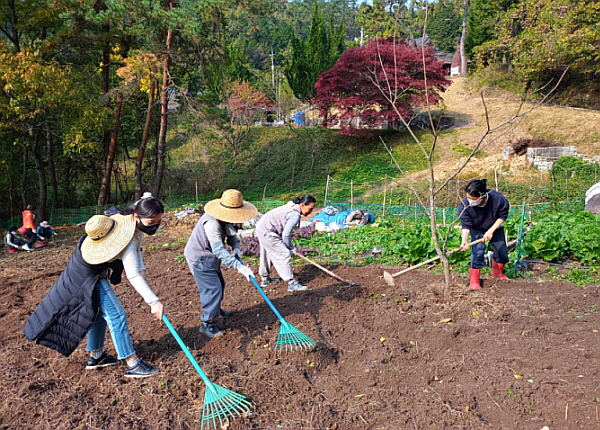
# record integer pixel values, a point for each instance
(231, 207)
(107, 237)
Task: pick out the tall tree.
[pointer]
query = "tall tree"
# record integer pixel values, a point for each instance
(310, 58)
(164, 111)
(376, 19)
(463, 37)
(483, 20)
(41, 98)
(444, 26)
(246, 105)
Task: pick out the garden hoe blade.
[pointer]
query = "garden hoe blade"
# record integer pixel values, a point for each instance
(219, 403)
(389, 279)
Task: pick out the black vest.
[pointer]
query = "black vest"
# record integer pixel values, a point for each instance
(68, 311)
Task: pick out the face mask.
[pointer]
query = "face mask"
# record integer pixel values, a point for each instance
(148, 229)
(473, 203)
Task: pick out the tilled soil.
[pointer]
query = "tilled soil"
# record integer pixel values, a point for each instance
(515, 355)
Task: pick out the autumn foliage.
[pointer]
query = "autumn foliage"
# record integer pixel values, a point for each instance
(378, 83)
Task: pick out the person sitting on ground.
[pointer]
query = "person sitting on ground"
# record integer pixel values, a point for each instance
(12, 241)
(28, 227)
(205, 251)
(82, 301)
(482, 214)
(274, 233)
(44, 231)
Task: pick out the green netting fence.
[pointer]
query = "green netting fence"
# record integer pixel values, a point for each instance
(60, 217)
(444, 215)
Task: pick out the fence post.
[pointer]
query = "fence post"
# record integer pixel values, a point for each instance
(326, 191)
(351, 194)
(384, 195)
(496, 177)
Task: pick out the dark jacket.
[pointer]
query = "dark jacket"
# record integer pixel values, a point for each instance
(482, 218)
(68, 311)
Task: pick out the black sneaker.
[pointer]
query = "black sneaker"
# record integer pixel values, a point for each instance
(224, 313)
(142, 370)
(103, 361)
(211, 331)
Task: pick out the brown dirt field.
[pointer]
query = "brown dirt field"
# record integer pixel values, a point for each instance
(515, 355)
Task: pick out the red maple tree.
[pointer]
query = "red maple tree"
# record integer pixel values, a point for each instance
(377, 84)
(246, 104)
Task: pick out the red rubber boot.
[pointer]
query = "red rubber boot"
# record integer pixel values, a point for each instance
(498, 270)
(474, 279)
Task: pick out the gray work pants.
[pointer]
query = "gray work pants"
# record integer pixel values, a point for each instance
(274, 252)
(211, 285)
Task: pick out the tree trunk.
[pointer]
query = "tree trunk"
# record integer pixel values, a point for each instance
(52, 169)
(12, 33)
(144, 143)
(41, 172)
(164, 115)
(24, 201)
(104, 195)
(463, 36)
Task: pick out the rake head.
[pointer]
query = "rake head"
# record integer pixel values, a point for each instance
(290, 338)
(220, 404)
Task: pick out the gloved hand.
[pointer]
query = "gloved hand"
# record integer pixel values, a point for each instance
(246, 271)
(293, 251)
(55, 233)
(237, 253)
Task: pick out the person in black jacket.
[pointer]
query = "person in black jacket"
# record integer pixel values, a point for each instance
(482, 214)
(83, 302)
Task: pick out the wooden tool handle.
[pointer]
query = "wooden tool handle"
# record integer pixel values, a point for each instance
(435, 258)
(329, 272)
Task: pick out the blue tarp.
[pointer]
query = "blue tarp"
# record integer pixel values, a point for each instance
(339, 218)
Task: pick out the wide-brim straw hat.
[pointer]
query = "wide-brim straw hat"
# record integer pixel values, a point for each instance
(107, 237)
(231, 207)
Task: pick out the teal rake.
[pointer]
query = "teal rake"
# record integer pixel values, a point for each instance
(289, 337)
(219, 403)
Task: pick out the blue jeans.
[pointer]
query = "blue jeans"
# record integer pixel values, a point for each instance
(111, 313)
(499, 250)
(211, 285)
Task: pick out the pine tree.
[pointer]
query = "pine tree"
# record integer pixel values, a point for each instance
(317, 54)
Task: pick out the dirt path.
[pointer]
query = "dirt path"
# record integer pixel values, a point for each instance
(516, 354)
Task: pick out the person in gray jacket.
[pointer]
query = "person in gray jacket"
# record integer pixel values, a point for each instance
(274, 233)
(205, 251)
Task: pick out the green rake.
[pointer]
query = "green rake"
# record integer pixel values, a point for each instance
(219, 403)
(289, 337)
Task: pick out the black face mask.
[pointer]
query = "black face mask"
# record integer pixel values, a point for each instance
(148, 229)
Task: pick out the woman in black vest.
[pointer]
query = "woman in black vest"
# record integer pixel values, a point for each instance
(82, 301)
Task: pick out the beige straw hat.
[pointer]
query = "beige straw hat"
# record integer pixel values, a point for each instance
(231, 207)
(107, 237)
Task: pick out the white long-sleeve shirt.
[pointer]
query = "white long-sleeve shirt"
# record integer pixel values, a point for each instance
(133, 264)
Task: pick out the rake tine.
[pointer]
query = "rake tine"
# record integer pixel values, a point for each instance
(293, 338)
(288, 334)
(219, 402)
